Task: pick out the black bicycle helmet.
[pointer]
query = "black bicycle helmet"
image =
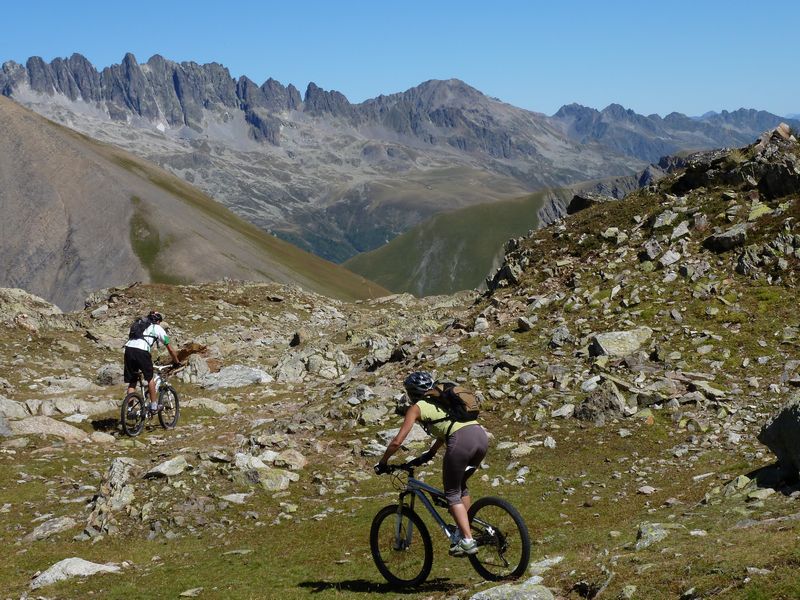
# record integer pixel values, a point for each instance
(417, 383)
(155, 317)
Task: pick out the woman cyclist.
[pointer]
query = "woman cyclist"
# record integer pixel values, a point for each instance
(465, 446)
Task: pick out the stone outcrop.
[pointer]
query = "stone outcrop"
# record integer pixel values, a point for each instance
(781, 434)
(69, 568)
(620, 343)
(583, 201)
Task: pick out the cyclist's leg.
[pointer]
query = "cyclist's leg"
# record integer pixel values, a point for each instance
(130, 370)
(466, 447)
(480, 445)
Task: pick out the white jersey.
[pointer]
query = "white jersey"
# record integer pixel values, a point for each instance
(152, 335)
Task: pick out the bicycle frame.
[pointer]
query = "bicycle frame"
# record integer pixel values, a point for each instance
(417, 489)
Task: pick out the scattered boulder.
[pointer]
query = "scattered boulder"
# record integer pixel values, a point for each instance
(11, 409)
(781, 434)
(649, 534)
(235, 376)
(170, 468)
(50, 528)
(604, 402)
(532, 589)
(48, 426)
(728, 239)
(116, 492)
(619, 343)
(215, 406)
(71, 567)
(584, 200)
(110, 374)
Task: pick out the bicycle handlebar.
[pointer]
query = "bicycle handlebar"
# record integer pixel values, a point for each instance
(400, 467)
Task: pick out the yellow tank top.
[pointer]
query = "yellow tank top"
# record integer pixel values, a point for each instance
(429, 413)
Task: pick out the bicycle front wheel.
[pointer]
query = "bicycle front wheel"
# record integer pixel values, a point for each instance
(171, 408)
(132, 414)
(401, 546)
(504, 547)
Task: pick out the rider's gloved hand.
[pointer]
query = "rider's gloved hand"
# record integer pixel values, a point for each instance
(381, 468)
(421, 460)
(176, 364)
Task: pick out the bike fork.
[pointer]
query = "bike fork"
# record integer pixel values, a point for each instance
(402, 542)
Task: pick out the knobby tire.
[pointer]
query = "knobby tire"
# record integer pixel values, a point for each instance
(508, 543)
(409, 565)
(132, 414)
(168, 399)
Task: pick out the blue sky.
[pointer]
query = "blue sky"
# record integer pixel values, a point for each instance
(689, 57)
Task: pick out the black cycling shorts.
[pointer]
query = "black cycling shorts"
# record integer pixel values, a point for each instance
(136, 361)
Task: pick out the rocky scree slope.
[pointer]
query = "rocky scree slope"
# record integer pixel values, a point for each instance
(627, 357)
(78, 215)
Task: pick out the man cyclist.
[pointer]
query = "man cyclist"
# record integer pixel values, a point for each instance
(138, 358)
(466, 444)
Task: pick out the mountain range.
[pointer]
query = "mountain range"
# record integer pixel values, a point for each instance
(338, 178)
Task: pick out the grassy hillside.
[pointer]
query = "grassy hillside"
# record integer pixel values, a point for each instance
(452, 251)
(80, 215)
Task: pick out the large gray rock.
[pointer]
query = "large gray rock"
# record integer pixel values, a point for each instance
(605, 402)
(235, 376)
(110, 374)
(47, 426)
(620, 343)
(276, 480)
(730, 238)
(532, 589)
(649, 534)
(5, 430)
(12, 409)
(50, 528)
(196, 369)
(170, 468)
(115, 493)
(71, 567)
(781, 434)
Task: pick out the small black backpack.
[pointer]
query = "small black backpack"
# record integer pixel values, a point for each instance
(138, 327)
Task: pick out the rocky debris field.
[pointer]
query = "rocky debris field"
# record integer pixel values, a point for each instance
(639, 373)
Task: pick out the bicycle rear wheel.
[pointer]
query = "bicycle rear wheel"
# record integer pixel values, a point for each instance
(504, 547)
(132, 414)
(401, 546)
(171, 408)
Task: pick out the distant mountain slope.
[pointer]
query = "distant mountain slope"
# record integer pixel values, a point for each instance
(76, 215)
(456, 250)
(333, 177)
(652, 137)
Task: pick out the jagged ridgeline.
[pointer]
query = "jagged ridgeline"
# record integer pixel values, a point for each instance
(338, 178)
(79, 215)
(639, 368)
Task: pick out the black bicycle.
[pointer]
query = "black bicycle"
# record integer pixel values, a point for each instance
(136, 407)
(401, 545)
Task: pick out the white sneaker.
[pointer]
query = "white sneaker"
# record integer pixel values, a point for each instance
(464, 547)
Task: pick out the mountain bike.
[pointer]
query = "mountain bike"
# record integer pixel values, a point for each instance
(401, 545)
(136, 408)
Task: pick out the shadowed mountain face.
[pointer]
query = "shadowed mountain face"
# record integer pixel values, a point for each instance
(78, 215)
(333, 177)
